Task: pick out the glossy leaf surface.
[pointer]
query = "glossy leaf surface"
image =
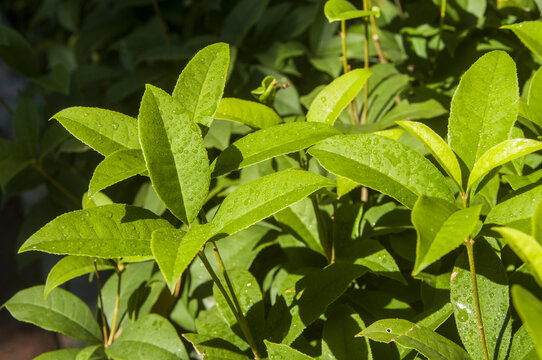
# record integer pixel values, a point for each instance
(529, 308)
(336, 10)
(201, 83)
(270, 142)
(246, 112)
(109, 231)
(484, 107)
(63, 354)
(328, 104)
(62, 312)
(281, 351)
(103, 130)
(530, 33)
(410, 335)
(383, 164)
(175, 154)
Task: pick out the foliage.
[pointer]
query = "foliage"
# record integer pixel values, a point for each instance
(258, 229)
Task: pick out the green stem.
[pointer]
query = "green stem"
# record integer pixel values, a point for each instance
(239, 317)
(227, 278)
(100, 297)
(439, 34)
(55, 183)
(469, 243)
(353, 113)
(366, 66)
(321, 229)
(120, 269)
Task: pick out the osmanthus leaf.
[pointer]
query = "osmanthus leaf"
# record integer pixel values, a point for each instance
(71, 267)
(500, 154)
(336, 10)
(213, 348)
(529, 308)
(484, 107)
(345, 185)
(427, 109)
(63, 354)
(18, 53)
(281, 351)
(151, 337)
(339, 339)
(175, 154)
(109, 231)
(530, 33)
(437, 147)
(103, 130)
(98, 199)
(328, 104)
(270, 142)
(522, 347)
(532, 109)
(201, 83)
(116, 167)
(260, 198)
(246, 112)
(62, 312)
(210, 322)
(410, 335)
(94, 352)
(175, 249)
(385, 165)
(526, 247)
(26, 125)
(517, 208)
(493, 292)
(441, 228)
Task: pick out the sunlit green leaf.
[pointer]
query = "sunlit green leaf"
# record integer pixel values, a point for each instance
(246, 112)
(336, 10)
(281, 351)
(64, 354)
(529, 308)
(530, 33)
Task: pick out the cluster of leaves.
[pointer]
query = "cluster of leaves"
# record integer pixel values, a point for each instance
(304, 264)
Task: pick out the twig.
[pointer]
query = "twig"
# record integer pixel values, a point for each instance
(100, 297)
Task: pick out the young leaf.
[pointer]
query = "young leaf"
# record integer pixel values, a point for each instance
(268, 143)
(385, 165)
(109, 231)
(336, 10)
(529, 308)
(175, 249)
(494, 302)
(441, 228)
(328, 104)
(500, 154)
(201, 84)
(281, 351)
(103, 130)
(175, 154)
(62, 312)
(246, 112)
(526, 247)
(64, 354)
(71, 267)
(410, 335)
(151, 337)
(260, 198)
(438, 148)
(484, 107)
(118, 166)
(530, 33)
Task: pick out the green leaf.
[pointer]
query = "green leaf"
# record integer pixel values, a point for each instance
(330, 102)
(281, 352)
(71, 267)
(522, 347)
(98, 199)
(175, 154)
(94, 352)
(494, 302)
(410, 335)
(260, 198)
(382, 164)
(484, 107)
(530, 33)
(268, 143)
(413, 111)
(246, 112)
(62, 312)
(526, 247)
(210, 322)
(338, 336)
(18, 53)
(336, 10)
(201, 84)
(175, 249)
(103, 130)
(151, 337)
(500, 154)
(214, 348)
(441, 228)
(116, 167)
(529, 308)
(64, 354)
(532, 109)
(109, 231)
(437, 147)
(26, 121)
